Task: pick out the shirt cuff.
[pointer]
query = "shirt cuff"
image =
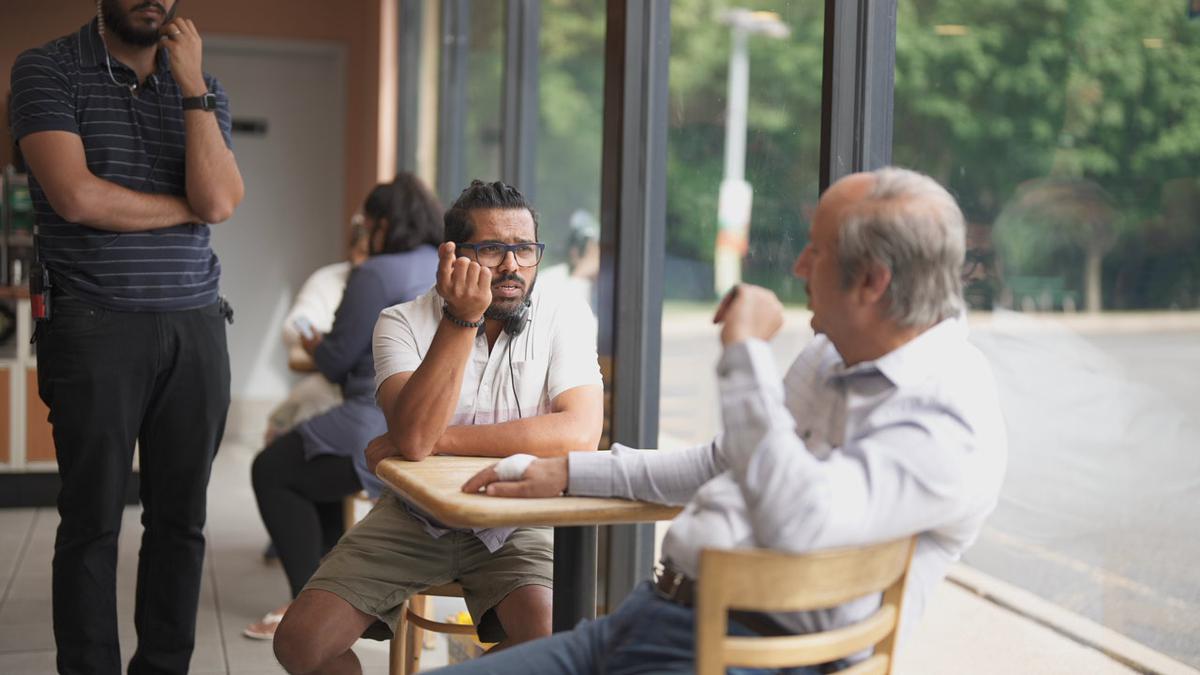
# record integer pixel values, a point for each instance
(589, 474)
(748, 364)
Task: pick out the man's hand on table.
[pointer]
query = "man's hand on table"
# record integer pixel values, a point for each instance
(542, 478)
(379, 449)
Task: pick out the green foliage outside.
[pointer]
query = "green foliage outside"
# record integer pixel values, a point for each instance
(572, 116)
(485, 77)
(1068, 129)
(1071, 129)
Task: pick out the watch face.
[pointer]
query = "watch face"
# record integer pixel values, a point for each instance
(209, 101)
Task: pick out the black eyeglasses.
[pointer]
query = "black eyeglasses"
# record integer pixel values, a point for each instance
(978, 259)
(491, 254)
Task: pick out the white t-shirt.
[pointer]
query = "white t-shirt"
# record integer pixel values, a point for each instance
(317, 301)
(554, 353)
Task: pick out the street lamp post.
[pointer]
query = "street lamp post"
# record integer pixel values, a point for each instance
(736, 196)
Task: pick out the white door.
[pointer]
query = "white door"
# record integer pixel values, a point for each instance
(289, 116)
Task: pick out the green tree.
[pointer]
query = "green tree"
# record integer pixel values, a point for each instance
(1088, 92)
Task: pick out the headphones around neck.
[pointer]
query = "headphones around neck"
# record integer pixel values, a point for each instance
(516, 323)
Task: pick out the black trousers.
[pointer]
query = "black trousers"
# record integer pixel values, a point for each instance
(301, 503)
(110, 379)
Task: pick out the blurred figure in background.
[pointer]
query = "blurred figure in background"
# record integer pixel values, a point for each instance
(314, 307)
(577, 276)
(301, 477)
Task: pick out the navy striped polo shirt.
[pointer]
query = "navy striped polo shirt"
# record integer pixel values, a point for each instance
(133, 140)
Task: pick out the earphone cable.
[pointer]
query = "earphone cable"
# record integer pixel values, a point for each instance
(162, 120)
(512, 377)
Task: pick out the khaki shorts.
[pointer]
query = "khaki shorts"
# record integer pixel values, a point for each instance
(388, 557)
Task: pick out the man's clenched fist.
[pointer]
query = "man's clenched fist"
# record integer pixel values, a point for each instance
(464, 284)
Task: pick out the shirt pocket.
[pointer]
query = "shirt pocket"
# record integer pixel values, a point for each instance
(528, 379)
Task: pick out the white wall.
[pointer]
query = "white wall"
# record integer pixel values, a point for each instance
(290, 221)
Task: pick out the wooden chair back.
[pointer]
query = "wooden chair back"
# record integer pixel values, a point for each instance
(767, 581)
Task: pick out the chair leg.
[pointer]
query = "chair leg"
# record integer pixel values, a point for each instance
(396, 656)
(413, 634)
(396, 659)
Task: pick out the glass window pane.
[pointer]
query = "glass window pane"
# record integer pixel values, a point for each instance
(1070, 132)
(767, 159)
(485, 80)
(570, 132)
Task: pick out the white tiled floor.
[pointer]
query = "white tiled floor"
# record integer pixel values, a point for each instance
(961, 633)
(237, 588)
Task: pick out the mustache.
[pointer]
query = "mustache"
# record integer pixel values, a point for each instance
(509, 276)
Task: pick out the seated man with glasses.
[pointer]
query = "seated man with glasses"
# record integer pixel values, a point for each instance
(480, 365)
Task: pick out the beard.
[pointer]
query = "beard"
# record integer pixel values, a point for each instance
(503, 310)
(122, 24)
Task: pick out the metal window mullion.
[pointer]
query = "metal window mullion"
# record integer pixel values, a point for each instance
(518, 149)
(633, 211)
(857, 87)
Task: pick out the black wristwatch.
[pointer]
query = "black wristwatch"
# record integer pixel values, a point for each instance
(206, 102)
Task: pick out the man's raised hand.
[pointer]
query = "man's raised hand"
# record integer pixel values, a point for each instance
(749, 311)
(184, 52)
(464, 284)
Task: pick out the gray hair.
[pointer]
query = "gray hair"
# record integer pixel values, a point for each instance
(911, 225)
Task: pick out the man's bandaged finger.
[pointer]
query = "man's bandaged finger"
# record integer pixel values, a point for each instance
(513, 467)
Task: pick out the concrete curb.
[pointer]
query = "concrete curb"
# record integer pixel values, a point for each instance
(1084, 631)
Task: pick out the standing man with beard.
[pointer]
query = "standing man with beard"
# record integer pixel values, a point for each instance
(128, 145)
(481, 365)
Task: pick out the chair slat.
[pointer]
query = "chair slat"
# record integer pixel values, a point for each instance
(812, 649)
(439, 626)
(774, 582)
(450, 590)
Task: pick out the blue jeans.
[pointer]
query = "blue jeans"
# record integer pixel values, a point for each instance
(646, 634)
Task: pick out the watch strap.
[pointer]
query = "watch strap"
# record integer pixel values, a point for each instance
(206, 101)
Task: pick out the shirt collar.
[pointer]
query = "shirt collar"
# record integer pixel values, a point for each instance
(915, 359)
(92, 52)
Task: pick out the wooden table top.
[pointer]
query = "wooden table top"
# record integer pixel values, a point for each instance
(435, 485)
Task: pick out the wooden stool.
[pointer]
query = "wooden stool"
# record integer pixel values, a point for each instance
(405, 650)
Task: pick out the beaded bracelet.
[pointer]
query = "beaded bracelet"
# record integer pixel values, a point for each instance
(459, 322)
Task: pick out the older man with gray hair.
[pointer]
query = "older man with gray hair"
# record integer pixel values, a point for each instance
(886, 426)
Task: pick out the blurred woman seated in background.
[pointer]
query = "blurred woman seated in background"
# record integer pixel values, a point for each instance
(313, 309)
(302, 476)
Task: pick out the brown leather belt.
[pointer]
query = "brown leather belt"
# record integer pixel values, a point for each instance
(680, 589)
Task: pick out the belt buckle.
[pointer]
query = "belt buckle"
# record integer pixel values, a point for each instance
(673, 580)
